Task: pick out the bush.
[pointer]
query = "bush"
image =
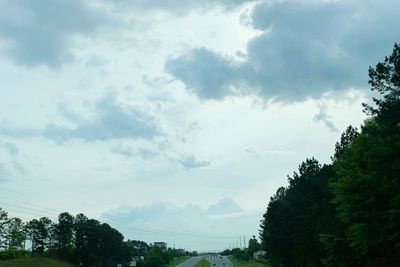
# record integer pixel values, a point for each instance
(13, 254)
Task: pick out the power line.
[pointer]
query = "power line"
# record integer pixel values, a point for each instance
(44, 211)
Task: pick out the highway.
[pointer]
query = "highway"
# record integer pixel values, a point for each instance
(215, 260)
(219, 261)
(190, 262)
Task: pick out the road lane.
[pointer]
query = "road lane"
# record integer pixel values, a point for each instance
(219, 261)
(190, 262)
(215, 260)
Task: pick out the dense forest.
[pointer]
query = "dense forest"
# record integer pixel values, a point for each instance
(79, 240)
(346, 213)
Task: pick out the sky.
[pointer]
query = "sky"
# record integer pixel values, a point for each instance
(174, 120)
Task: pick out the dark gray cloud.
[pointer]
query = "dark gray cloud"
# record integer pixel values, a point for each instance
(208, 73)
(112, 122)
(40, 31)
(191, 162)
(305, 49)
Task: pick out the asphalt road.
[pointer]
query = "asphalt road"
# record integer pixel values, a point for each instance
(190, 262)
(218, 261)
(215, 260)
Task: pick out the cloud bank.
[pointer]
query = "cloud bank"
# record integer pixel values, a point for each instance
(191, 226)
(304, 50)
(40, 32)
(112, 121)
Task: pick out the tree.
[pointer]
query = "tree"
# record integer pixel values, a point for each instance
(367, 187)
(156, 257)
(253, 246)
(79, 240)
(14, 234)
(64, 234)
(296, 217)
(385, 79)
(80, 237)
(40, 233)
(346, 140)
(3, 221)
(367, 194)
(137, 248)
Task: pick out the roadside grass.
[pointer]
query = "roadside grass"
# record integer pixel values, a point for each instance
(203, 263)
(177, 261)
(251, 263)
(34, 262)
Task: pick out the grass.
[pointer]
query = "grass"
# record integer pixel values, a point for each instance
(203, 263)
(239, 263)
(177, 261)
(34, 262)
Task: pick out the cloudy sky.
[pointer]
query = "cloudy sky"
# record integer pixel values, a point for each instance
(177, 120)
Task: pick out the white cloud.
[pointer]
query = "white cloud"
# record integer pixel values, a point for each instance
(305, 50)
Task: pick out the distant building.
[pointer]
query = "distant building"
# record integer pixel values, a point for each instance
(161, 245)
(258, 255)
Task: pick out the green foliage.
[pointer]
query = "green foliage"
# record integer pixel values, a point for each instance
(241, 254)
(79, 240)
(35, 262)
(254, 246)
(347, 213)
(13, 233)
(13, 254)
(297, 215)
(250, 263)
(40, 233)
(203, 263)
(64, 232)
(367, 193)
(156, 257)
(367, 187)
(3, 221)
(385, 79)
(177, 261)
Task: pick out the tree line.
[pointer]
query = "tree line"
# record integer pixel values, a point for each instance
(244, 254)
(79, 240)
(346, 213)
